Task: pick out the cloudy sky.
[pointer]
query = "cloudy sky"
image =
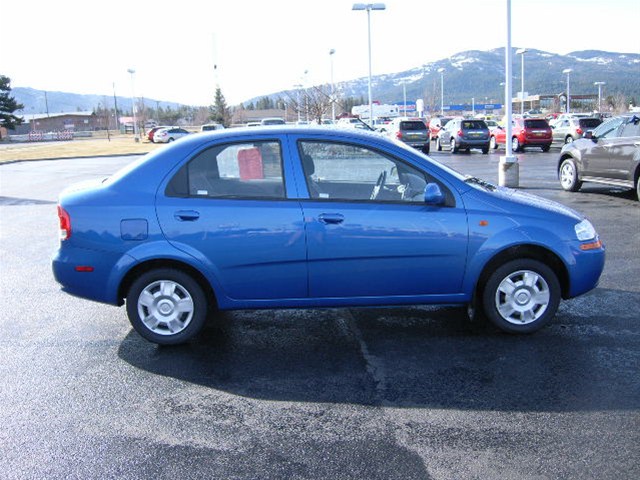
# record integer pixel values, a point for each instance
(264, 46)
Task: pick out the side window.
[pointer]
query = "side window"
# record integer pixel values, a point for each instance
(239, 170)
(631, 129)
(337, 171)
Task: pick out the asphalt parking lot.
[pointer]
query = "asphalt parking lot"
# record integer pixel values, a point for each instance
(385, 393)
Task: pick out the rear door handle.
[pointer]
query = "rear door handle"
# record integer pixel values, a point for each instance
(331, 218)
(186, 215)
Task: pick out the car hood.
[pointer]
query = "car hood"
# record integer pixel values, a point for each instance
(503, 199)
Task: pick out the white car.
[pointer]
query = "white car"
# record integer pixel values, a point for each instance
(166, 135)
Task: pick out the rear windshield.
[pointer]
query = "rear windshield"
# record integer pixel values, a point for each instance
(589, 122)
(413, 125)
(536, 123)
(474, 125)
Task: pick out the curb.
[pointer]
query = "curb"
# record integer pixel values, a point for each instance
(71, 158)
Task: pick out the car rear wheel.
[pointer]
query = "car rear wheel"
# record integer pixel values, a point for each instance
(426, 148)
(569, 176)
(438, 144)
(171, 139)
(546, 148)
(454, 147)
(166, 306)
(521, 296)
(515, 144)
(485, 150)
(569, 139)
(493, 145)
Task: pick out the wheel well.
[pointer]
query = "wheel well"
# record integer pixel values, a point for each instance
(533, 252)
(138, 270)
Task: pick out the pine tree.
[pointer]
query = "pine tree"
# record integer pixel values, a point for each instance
(8, 105)
(219, 112)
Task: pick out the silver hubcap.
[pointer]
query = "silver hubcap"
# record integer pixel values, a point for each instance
(566, 175)
(515, 144)
(165, 307)
(522, 297)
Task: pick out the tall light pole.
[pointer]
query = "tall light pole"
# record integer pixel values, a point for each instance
(333, 90)
(404, 97)
(567, 72)
(509, 169)
(599, 84)
(521, 51)
(368, 7)
(441, 72)
(133, 106)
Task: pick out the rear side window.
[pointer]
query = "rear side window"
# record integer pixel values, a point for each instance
(536, 123)
(239, 170)
(412, 125)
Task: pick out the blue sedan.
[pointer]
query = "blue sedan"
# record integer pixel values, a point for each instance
(286, 217)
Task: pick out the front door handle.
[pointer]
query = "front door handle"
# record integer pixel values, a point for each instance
(186, 215)
(331, 218)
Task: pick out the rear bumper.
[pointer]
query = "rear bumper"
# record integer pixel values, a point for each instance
(101, 284)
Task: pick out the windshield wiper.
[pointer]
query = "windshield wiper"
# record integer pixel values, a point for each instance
(482, 183)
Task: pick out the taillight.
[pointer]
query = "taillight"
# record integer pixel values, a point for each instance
(65, 223)
(579, 131)
(399, 135)
(460, 133)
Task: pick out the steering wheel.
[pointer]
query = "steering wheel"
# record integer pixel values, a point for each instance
(382, 179)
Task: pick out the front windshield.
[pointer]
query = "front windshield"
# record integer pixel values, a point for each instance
(607, 128)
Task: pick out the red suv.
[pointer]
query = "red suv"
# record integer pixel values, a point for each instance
(436, 124)
(527, 132)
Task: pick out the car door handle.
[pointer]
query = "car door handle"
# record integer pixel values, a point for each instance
(186, 215)
(331, 218)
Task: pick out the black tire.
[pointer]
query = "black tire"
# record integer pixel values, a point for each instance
(546, 148)
(438, 144)
(426, 148)
(638, 188)
(171, 139)
(568, 176)
(453, 145)
(166, 306)
(485, 150)
(521, 296)
(569, 139)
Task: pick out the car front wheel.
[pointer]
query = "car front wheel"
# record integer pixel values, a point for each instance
(521, 296)
(569, 176)
(166, 306)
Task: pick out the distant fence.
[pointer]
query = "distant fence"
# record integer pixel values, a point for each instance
(61, 135)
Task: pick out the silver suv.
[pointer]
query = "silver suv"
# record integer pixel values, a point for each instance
(464, 134)
(412, 131)
(568, 129)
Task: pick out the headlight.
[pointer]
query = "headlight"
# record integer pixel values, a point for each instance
(584, 230)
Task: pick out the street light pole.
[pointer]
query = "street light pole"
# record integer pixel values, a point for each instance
(568, 71)
(521, 51)
(333, 93)
(133, 107)
(599, 84)
(368, 7)
(509, 169)
(441, 72)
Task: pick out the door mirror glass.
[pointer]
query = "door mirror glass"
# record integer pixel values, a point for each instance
(433, 195)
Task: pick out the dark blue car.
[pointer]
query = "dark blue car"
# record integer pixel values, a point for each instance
(299, 217)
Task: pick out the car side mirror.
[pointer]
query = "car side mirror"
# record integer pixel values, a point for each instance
(433, 195)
